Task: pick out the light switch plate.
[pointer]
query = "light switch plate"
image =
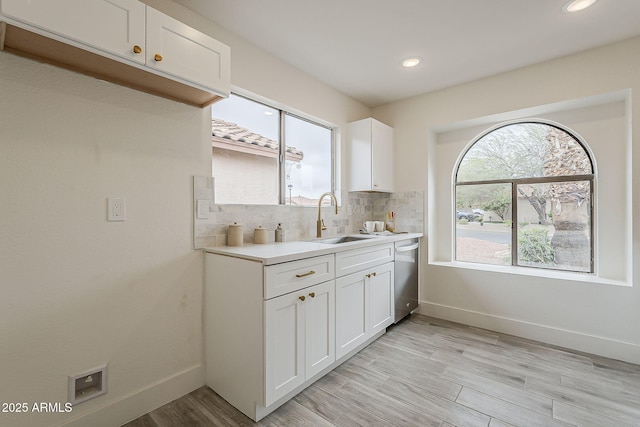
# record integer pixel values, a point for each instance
(202, 209)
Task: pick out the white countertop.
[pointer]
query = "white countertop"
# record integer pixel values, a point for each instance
(275, 253)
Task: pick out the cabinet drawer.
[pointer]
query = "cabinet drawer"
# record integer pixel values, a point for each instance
(348, 262)
(283, 278)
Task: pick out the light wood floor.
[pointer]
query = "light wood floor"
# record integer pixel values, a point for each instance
(430, 372)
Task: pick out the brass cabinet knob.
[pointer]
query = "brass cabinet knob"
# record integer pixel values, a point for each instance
(301, 297)
(312, 294)
(373, 274)
(137, 49)
(157, 57)
(368, 276)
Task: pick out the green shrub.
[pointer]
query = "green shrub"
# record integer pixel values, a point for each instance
(534, 246)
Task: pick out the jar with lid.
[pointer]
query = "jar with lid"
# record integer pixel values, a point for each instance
(234, 235)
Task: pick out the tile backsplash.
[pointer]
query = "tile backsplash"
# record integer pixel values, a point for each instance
(299, 223)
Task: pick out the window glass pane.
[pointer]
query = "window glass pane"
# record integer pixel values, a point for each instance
(307, 161)
(565, 156)
(483, 223)
(554, 225)
(524, 150)
(245, 137)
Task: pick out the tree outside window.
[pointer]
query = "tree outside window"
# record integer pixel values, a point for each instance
(524, 197)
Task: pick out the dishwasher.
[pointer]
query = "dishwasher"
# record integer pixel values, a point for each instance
(405, 278)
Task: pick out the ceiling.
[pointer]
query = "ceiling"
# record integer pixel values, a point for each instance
(356, 46)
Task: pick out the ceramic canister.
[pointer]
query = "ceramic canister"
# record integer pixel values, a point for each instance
(234, 235)
(260, 235)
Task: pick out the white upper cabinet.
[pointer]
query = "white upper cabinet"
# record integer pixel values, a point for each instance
(114, 26)
(123, 41)
(179, 50)
(370, 156)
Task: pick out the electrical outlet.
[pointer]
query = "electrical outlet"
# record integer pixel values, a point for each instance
(116, 209)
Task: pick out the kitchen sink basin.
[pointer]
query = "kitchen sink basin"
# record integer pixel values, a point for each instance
(341, 239)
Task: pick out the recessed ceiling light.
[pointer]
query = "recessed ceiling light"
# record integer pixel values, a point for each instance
(411, 62)
(577, 5)
(268, 113)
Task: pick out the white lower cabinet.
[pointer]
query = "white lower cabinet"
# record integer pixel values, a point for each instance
(299, 338)
(270, 330)
(381, 306)
(352, 318)
(364, 306)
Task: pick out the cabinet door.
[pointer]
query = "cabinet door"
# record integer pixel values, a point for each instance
(359, 149)
(320, 327)
(381, 306)
(381, 157)
(352, 317)
(186, 53)
(370, 156)
(284, 345)
(113, 26)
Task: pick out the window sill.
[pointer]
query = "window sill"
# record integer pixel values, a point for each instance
(535, 272)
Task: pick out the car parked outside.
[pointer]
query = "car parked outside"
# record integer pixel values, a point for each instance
(465, 215)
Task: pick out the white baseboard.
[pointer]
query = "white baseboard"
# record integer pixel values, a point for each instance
(593, 344)
(142, 401)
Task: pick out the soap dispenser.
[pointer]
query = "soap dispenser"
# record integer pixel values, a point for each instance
(279, 233)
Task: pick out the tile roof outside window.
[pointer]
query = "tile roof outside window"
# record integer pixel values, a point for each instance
(227, 133)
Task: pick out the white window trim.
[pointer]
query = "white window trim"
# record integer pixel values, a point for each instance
(437, 254)
(594, 196)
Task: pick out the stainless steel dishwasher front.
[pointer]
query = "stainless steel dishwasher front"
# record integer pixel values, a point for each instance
(406, 277)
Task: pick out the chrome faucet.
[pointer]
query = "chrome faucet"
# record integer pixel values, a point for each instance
(320, 224)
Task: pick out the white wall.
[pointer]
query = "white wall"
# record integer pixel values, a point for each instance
(600, 318)
(78, 291)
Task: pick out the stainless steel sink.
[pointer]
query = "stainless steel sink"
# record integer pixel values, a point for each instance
(341, 239)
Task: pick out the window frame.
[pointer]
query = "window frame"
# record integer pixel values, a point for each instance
(283, 146)
(281, 156)
(514, 182)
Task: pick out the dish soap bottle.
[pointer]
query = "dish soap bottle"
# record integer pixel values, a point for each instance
(391, 222)
(279, 234)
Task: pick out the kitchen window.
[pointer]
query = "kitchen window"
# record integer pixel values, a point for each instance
(524, 197)
(266, 155)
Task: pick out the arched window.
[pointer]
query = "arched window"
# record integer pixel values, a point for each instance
(523, 194)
